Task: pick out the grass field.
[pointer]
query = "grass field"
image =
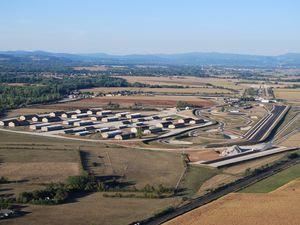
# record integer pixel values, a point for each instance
(276, 208)
(195, 177)
(275, 181)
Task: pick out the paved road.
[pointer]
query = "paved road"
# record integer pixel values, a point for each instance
(240, 184)
(264, 125)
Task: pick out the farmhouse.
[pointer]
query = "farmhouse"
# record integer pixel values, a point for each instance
(52, 128)
(83, 123)
(185, 120)
(176, 125)
(50, 119)
(90, 128)
(57, 113)
(70, 131)
(111, 134)
(125, 136)
(164, 124)
(27, 117)
(133, 116)
(38, 126)
(17, 123)
(79, 115)
(197, 121)
(110, 119)
(153, 130)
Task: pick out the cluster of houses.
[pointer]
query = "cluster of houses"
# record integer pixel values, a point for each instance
(83, 122)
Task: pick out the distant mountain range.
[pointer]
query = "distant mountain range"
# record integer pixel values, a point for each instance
(196, 58)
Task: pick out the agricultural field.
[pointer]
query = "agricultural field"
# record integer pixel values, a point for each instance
(177, 91)
(272, 183)
(290, 95)
(250, 208)
(184, 81)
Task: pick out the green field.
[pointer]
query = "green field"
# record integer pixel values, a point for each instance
(275, 181)
(195, 177)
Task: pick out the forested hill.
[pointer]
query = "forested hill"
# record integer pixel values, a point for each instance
(45, 59)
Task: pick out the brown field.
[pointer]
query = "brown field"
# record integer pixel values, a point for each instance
(40, 172)
(92, 209)
(288, 94)
(202, 155)
(216, 181)
(196, 90)
(276, 208)
(184, 81)
(292, 141)
(240, 168)
(166, 101)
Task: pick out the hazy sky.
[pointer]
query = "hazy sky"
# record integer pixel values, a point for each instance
(151, 26)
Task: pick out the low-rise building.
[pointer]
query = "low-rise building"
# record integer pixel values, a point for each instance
(110, 119)
(82, 133)
(52, 128)
(18, 123)
(104, 113)
(152, 130)
(102, 130)
(125, 136)
(80, 111)
(122, 114)
(164, 124)
(27, 117)
(176, 125)
(57, 113)
(111, 134)
(70, 122)
(185, 120)
(97, 118)
(133, 115)
(51, 119)
(83, 123)
(38, 126)
(197, 121)
(79, 115)
(68, 114)
(93, 111)
(5, 122)
(136, 129)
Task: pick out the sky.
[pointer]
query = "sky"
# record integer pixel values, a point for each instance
(263, 27)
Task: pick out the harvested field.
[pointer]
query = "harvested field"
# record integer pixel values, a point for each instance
(292, 141)
(40, 172)
(291, 95)
(216, 181)
(204, 155)
(196, 90)
(240, 168)
(166, 101)
(276, 208)
(92, 209)
(184, 81)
